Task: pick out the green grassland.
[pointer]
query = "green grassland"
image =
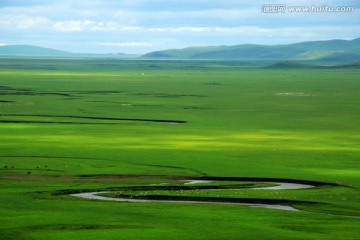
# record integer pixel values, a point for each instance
(65, 125)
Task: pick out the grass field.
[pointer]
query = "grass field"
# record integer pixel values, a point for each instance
(76, 124)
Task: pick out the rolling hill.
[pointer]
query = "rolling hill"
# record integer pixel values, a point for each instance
(290, 65)
(317, 50)
(299, 65)
(29, 50)
(332, 50)
(24, 50)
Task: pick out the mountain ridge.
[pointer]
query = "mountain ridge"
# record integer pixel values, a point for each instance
(30, 50)
(330, 49)
(23, 50)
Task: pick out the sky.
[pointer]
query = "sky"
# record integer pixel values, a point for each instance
(141, 26)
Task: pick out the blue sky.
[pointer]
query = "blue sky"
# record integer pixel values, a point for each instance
(140, 26)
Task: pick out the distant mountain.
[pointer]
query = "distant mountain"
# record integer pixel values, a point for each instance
(317, 50)
(123, 55)
(27, 50)
(355, 65)
(332, 50)
(290, 65)
(298, 65)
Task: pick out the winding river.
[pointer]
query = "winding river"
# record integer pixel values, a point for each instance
(280, 186)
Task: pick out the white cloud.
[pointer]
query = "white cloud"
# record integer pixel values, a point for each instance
(178, 29)
(70, 26)
(127, 44)
(41, 24)
(84, 25)
(245, 30)
(142, 24)
(3, 44)
(23, 22)
(29, 23)
(159, 18)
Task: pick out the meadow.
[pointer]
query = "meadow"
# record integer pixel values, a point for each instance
(69, 125)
